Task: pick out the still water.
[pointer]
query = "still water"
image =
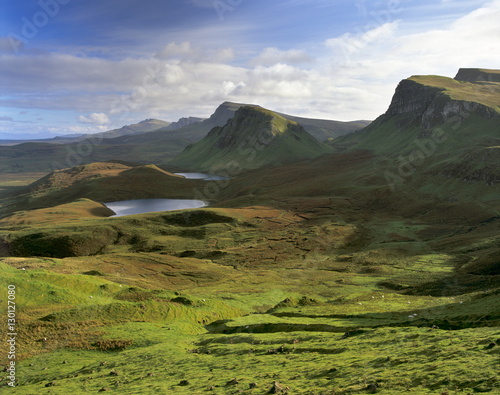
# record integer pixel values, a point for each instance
(142, 206)
(201, 176)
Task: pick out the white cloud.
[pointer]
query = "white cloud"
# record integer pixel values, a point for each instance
(186, 51)
(349, 44)
(53, 72)
(378, 59)
(95, 118)
(175, 50)
(272, 55)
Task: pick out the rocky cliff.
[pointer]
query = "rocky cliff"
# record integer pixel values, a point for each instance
(478, 75)
(431, 100)
(437, 129)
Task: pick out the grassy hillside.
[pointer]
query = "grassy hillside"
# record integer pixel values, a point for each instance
(449, 145)
(255, 137)
(486, 93)
(224, 298)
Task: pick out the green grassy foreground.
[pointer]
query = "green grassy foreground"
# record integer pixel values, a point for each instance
(230, 318)
(351, 337)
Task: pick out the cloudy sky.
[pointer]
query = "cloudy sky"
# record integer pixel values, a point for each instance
(74, 66)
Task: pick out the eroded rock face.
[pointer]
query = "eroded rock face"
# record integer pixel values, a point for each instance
(444, 109)
(477, 75)
(429, 106)
(412, 98)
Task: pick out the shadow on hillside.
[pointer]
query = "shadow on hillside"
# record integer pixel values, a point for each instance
(459, 283)
(478, 311)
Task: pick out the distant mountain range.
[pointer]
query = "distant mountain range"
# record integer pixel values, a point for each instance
(145, 126)
(149, 141)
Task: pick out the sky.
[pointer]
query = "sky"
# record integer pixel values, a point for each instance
(84, 66)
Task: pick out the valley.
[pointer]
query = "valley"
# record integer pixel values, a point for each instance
(363, 262)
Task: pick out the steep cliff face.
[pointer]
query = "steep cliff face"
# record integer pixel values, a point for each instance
(478, 75)
(437, 129)
(412, 98)
(429, 101)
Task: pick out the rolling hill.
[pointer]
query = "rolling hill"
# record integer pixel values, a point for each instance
(253, 138)
(101, 182)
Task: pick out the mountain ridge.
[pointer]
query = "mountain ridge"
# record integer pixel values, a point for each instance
(159, 146)
(439, 99)
(144, 126)
(254, 137)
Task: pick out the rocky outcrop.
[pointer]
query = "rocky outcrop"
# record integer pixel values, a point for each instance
(430, 106)
(478, 75)
(224, 113)
(412, 98)
(444, 109)
(182, 122)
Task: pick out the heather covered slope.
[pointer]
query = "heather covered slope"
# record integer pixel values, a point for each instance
(255, 137)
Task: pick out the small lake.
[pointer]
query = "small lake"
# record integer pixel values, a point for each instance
(143, 206)
(201, 176)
